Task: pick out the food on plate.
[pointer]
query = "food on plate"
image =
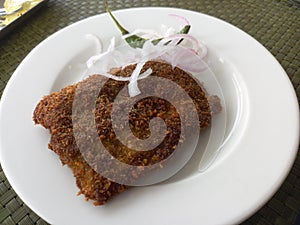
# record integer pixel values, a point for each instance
(55, 112)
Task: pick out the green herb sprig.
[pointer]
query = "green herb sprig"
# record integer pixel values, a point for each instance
(136, 41)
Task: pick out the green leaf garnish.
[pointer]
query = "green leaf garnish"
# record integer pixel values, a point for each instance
(136, 41)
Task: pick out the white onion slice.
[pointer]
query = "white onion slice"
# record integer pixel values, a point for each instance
(203, 50)
(176, 37)
(167, 31)
(95, 58)
(133, 88)
(186, 22)
(187, 60)
(96, 40)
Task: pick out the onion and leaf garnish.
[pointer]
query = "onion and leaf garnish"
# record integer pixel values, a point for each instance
(136, 41)
(177, 48)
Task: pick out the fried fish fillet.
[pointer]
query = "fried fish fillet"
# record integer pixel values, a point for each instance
(54, 112)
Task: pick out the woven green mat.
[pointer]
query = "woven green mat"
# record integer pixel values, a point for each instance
(276, 24)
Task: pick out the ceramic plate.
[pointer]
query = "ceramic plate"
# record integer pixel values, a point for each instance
(262, 130)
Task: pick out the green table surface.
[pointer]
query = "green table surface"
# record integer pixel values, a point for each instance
(274, 23)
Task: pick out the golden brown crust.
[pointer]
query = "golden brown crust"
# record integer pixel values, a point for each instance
(54, 112)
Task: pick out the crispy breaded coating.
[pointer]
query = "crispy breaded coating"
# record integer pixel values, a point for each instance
(54, 112)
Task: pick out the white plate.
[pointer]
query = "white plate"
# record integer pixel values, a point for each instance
(262, 130)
